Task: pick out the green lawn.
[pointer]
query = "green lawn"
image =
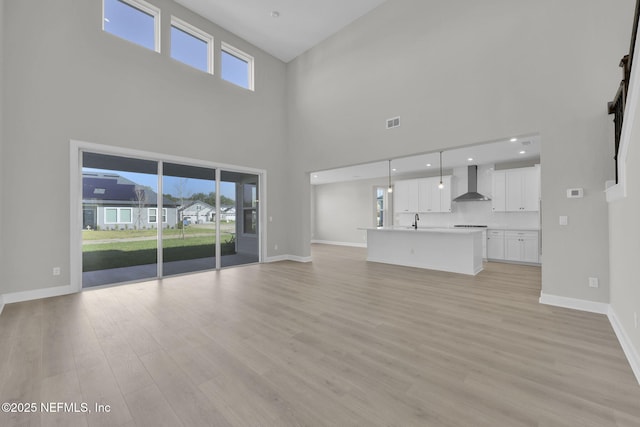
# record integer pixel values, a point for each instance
(126, 234)
(126, 254)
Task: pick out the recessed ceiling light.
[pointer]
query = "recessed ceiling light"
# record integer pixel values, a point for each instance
(428, 165)
(275, 14)
(513, 139)
(470, 159)
(394, 169)
(315, 176)
(523, 152)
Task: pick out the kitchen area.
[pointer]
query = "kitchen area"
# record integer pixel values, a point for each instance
(449, 211)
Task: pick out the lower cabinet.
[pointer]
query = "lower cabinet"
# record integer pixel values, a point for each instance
(521, 246)
(516, 246)
(495, 244)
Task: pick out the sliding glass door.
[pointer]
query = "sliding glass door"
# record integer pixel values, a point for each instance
(239, 218)
(119, 244)
(143, 219)
(190, 245)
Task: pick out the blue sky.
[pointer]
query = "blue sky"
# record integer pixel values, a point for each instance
(174, 185)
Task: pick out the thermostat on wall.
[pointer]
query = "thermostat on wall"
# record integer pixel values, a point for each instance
(574, 193)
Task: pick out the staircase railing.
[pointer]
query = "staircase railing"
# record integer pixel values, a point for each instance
(617, 106)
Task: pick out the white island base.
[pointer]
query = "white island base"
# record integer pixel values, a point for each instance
(445, 249)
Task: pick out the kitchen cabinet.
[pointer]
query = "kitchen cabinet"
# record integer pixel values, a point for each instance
(516, 190)
(422, 195)
(521, 246)
(425, 195)
(495, 244)
(523, 189)
(405, 196)
(433, 199)
(445, 193)
(498, 191)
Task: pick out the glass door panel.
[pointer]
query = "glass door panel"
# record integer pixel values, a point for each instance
(118, 242)
(239, 218)
(380, 206)
(188, 223)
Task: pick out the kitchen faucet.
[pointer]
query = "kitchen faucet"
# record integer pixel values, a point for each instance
(415, 221)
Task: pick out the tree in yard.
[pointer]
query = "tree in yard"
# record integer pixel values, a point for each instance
(141, 198)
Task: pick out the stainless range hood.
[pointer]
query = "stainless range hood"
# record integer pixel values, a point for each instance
(472, 194)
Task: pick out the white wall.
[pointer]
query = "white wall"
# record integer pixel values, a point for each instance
(2, 166)
(624, 244)
(341, 208)
(463, 72)
(64, 78)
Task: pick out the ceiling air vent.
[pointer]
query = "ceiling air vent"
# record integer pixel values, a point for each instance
(393, 122)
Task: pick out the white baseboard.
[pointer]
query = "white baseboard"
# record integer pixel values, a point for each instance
(287, 258)
(329, 242)
(574, 303)
(299, 258)
(1, 303)
(37, 294)
(625, 342)
(276, 258)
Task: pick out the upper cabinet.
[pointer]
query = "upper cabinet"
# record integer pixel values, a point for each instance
(405, 196)
(516, 190)
(422, 195)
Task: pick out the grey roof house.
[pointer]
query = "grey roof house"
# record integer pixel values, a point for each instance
(110, 201)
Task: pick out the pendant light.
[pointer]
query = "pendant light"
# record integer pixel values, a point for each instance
(390, 188)
(441, 185)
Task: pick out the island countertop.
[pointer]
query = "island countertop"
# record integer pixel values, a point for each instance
(409, 229)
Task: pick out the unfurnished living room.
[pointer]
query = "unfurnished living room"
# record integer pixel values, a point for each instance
(322, 213)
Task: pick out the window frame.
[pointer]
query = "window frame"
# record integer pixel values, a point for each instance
(250, 210)
(144, 7)
(233, 51)
(164, 215)
(198, 34)
(118, 215)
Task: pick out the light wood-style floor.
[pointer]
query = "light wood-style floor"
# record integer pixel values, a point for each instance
(338, 342)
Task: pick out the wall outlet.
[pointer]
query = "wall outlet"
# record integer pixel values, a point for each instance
(593, 282)
(563, 220)
(275, 247)
(56, 271)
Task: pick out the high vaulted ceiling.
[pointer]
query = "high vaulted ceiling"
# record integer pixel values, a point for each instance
(301, 24)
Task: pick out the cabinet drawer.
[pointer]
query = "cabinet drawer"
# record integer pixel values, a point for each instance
(522, 234)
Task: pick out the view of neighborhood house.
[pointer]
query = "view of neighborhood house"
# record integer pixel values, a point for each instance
(112, 202)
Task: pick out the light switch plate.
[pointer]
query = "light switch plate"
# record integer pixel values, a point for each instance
(564, 220)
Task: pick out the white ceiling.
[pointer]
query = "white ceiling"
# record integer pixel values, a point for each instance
(301, 25)
(482, 154)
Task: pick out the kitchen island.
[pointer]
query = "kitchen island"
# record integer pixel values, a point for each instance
(447, 249)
